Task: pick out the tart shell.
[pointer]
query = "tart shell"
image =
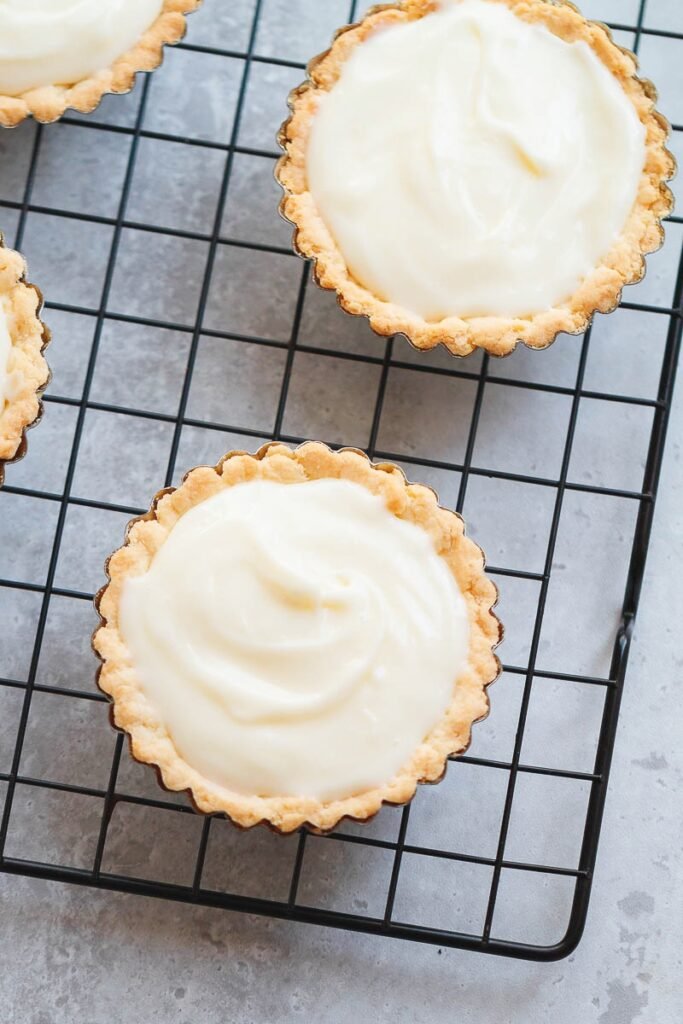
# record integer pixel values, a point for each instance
(601, 289)
(29, 338)
(149, 739)
(48, 103)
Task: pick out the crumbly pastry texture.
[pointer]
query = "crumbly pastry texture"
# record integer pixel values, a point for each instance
(150, 741)
(48, 103)
(29, 338)
(599, 292)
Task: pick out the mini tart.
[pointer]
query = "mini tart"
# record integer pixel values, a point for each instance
(21, 409)
(149, 738)
(600, 291)
(48, 103)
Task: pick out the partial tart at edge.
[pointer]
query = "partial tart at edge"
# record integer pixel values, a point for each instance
(24, 373)
(47, 103)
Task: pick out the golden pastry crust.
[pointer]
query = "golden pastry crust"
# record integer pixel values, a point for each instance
(29, 372)
(600, 291)
(150, 741)
(48, 103)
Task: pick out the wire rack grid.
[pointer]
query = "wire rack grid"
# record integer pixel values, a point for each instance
(183, 327)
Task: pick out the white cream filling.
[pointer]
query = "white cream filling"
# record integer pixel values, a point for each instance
(470, 163)
(296, 640)
(59, 42)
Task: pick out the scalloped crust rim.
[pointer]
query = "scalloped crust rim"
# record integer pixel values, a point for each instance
(135, 715)
(600, 291)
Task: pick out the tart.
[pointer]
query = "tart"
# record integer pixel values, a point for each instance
(23, 370)
(297, 636)
(476, 173)
(59, 54)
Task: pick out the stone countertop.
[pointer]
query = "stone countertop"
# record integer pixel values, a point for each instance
(73, 954)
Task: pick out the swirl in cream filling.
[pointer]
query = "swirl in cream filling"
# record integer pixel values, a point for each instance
(470, 163)
(296, 640)
(60, 42)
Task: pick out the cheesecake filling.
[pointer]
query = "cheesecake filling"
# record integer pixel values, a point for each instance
(296, 639)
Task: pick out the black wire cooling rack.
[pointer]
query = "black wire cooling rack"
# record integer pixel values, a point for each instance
(500, 856)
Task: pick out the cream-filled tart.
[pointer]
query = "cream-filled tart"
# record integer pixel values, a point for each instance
(476, 172)
(23, 370)
(60, 54)
(297, 636)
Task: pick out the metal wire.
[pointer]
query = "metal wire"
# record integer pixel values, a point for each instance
(110, 796)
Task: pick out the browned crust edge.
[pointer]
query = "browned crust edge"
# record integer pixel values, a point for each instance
(29, 338)
(48, 103)
(601, 290)
(149, 740)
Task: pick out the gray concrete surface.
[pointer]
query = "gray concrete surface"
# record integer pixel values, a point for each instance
(77, 955)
